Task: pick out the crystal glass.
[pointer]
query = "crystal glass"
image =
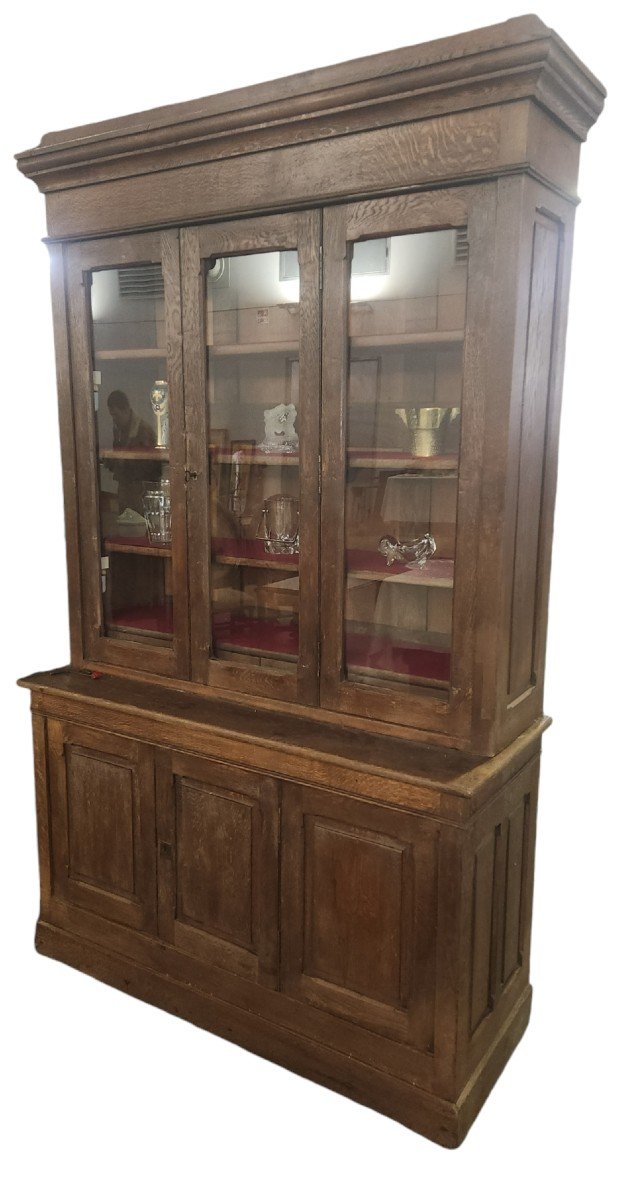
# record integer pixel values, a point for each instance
(281, 520)
(157, 511)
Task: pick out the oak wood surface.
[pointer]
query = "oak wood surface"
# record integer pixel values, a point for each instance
(336, 875)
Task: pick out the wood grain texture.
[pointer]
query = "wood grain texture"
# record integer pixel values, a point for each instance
(337, 876)
(532, 437)
(417, 154)
(362, 885)
(218, 860)
(103, 823)
(520, 59)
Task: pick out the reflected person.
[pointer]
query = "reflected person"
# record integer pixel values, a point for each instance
(130, 431)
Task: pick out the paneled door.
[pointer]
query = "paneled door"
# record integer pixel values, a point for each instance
(218, 840)
(405, 350)
(103, 826)
(359, 912)
(251, 367)
(125, 323)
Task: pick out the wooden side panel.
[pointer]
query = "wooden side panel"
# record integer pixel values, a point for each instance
(218, 830)
(532, 436)
(482, 924)
(103, 823)
(501, 898)
(359, 911)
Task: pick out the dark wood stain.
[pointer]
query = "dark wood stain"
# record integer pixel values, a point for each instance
(337, 876)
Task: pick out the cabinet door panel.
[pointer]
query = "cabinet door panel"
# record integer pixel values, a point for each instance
(359, 912)
(125, 335)
(218, 864)
(251, 357)
(103, 827)
(404, 358)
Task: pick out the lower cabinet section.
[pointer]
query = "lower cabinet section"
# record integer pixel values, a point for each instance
(377, 946)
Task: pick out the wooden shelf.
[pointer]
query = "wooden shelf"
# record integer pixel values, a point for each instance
(239, 349)
(445, 465)
(140, 545)
(397, 460)
(138, 452)
(257, 458)
(363, 564)
(141, 352)
(436, 339)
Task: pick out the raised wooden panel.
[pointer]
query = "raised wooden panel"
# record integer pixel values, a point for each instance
(103, 823)
(359, 897)
(357, 909)
(501, 899)
(101, 810)
(214, 861)
(218, 829)
(532, 436)
(482, 925)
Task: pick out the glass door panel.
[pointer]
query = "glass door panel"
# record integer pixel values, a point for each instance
(252, 351)
(405, 312)
(404, 403)
(128, 387)
(132, 435)
(251, 305)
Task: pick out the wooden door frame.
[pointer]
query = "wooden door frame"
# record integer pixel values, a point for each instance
(80, 260)
(300, 231)
(472, 206)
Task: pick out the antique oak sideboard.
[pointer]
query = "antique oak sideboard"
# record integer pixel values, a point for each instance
(309, 340)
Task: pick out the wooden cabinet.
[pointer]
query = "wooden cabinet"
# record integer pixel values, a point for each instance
(310, 341)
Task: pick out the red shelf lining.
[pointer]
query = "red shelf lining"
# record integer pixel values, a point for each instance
(272, 637)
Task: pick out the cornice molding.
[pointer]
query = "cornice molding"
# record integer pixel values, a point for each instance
(516, 60)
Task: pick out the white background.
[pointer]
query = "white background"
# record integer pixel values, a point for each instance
(106, 1096)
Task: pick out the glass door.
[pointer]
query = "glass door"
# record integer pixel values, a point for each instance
(124, 308)
(399, 319)
(251, 355)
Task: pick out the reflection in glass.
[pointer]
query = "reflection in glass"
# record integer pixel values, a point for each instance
(252, 337)
(131, 432)
(406, 336)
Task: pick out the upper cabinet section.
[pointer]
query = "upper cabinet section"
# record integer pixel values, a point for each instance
(507, 97)
(310, 341)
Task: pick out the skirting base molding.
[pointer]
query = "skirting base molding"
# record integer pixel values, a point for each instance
(439, 1120)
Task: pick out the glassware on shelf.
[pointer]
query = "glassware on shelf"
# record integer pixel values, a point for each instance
(415, 551)
(281, 520)
(159, 402)
(280, 435)
(157, 512)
